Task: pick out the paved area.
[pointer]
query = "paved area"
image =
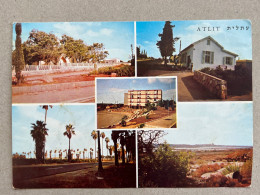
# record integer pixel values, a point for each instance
(78, 95)
(105, 119)
(30, 172)
(165, 122)
(188, 88)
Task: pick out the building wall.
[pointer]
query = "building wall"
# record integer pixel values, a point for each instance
(125, 99)
(140, 97)
(219, 55)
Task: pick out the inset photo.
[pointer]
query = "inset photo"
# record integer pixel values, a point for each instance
(211, 58)
(57, 146)
(57, 62)
(132, 103)
(213, 147)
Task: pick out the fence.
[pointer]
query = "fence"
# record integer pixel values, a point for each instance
(68, 66)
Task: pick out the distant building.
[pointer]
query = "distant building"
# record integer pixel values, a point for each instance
(207, 52)
(138, 98)
(112, 61)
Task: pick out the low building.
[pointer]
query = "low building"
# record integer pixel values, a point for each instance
(112, 61)
(207, 52)
(138, 98)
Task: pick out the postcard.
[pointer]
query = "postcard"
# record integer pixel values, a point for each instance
(158, 104)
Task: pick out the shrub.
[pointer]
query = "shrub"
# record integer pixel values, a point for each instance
(246, 169)
(141, 125)
(123, 122)
(164, 168)
(122, 71)
(230, 169)
(207, 169)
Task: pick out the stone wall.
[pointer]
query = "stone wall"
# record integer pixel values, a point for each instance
(215, 85)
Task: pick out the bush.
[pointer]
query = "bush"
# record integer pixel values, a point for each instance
(122, 71)
(164, 168)
(207, 169)
(123, 122)
(141, 125)
(230, 169)
(246, 169)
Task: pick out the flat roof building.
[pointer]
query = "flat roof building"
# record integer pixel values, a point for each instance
(138, 98)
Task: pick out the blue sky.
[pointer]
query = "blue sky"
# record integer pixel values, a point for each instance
(226, 123)
(117, 37)
(112, 90)
(236, 41)
(82, 117)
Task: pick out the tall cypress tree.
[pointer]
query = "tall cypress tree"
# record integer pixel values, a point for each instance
(19, 58)
(166, 44)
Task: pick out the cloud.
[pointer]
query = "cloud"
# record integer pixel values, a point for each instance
(70, 29)
(116, 90)
(169, 94)
(166, 80)
(134, 81)
(161, 80)
(106, 31)
(151, 80)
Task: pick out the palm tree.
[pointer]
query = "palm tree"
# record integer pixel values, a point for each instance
(69, 132)
(107, 140)
(85, 150)
(90, 153)
(115, 136)
(50, 153)
(94, 136)
(102, 135)
(38, 133)
(46, 109)
(55, 151)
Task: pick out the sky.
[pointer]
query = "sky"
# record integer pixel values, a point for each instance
(235, 41)
(117, 37)
(82, 117)
(112, 90)
(226, 123)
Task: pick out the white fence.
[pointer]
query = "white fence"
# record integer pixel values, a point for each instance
(68, 67)
(34, 70)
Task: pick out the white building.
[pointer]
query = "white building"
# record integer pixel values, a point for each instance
(207, 52)
(112, 61)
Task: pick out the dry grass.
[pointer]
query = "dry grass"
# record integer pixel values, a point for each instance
(207, 169)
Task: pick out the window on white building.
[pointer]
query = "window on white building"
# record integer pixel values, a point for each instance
(228, 60)
(208, 57)
(208, 42)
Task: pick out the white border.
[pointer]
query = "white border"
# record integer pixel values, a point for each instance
(163, 77)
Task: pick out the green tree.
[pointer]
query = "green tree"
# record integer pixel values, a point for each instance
(166, 44)
(38, 133)
(41, 46)
(69, 132)
(94, 136)
(165, 168)
(74, 49)
(18, 53)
